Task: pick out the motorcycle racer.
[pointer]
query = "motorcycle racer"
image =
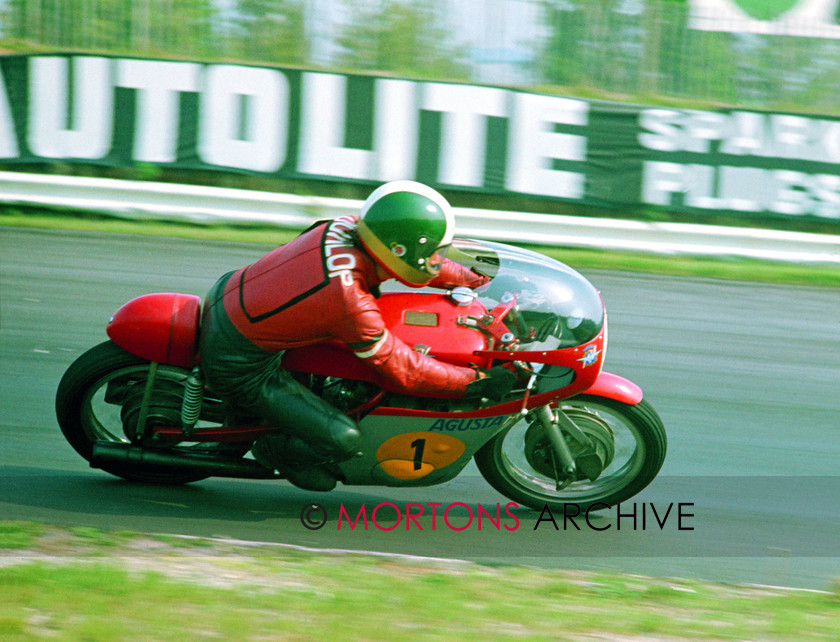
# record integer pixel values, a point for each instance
(322, 286)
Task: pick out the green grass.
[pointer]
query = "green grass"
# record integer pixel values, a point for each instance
(15, 535)
(82, 222)
(158, 591)
(736, 269)
(739, 269)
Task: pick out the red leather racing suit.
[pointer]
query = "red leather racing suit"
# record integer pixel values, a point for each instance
(318, 288)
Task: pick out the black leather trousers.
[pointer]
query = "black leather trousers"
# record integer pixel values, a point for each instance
(253, 380)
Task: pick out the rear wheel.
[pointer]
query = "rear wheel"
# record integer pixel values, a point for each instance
(629, 440)
(99, 398)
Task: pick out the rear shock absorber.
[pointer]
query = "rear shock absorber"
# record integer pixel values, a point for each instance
(193, 397)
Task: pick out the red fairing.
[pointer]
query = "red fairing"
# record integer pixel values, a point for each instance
(161, 327)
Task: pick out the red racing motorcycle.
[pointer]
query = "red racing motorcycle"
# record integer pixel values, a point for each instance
(136, 406)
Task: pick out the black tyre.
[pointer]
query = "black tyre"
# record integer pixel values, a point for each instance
(98, 397)
(509, 464)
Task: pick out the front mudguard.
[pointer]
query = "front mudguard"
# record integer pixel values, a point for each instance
(612, 386)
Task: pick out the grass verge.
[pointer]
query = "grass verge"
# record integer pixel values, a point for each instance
(87, 584)
(707, 267)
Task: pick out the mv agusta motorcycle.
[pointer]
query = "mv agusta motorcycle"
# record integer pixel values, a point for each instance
(136, 406)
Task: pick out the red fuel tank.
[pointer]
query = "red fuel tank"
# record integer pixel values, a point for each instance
(161, 327)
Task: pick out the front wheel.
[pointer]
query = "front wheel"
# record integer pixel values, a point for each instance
(631, 441)
(99, 397)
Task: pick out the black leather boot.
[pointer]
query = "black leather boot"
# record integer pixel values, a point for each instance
(294, 459)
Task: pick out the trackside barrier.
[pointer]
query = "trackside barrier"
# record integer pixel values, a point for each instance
(139, 199)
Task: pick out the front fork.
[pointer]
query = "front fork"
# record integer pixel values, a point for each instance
(586, 464)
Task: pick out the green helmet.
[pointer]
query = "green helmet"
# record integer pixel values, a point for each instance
(406, 227)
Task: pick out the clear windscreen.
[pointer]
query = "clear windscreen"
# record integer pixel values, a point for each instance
(554, 306)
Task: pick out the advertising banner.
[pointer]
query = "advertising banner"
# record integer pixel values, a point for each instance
(296, 123)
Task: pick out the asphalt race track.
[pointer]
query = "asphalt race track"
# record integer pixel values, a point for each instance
(746, 378)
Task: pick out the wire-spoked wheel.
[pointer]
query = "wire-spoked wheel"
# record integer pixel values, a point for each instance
(629, 441)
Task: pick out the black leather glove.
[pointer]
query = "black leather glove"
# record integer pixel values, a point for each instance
(495, 384)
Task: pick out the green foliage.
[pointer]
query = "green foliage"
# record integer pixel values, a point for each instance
(402, 38)
(270, 31)
(647, 51)
(114, 26)
(634, 50)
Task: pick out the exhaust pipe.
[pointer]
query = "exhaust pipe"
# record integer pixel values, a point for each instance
(107, 452)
